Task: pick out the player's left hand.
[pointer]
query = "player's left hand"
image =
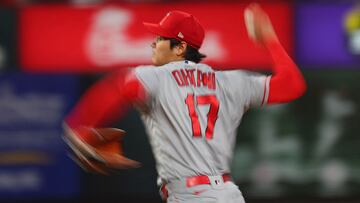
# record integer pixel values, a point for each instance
(98, 150)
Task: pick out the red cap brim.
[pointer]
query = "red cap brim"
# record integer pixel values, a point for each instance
(156, 29)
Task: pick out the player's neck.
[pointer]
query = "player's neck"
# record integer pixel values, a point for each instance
(177, 59)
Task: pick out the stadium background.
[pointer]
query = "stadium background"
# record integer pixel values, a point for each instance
(51, 51)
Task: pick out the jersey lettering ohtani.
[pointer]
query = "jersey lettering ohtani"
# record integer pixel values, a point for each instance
(185, 77)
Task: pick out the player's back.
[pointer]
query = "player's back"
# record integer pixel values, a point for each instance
(192, 119)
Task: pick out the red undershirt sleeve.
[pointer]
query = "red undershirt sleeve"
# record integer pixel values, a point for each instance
(287, 82)
(107, 101)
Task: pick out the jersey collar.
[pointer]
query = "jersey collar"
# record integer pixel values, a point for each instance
(189, 62)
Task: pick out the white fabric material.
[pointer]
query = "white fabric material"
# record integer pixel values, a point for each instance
(169, 123)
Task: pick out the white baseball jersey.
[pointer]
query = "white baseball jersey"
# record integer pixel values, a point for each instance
(193, 113)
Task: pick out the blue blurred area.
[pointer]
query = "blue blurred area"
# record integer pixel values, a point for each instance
(33, 160)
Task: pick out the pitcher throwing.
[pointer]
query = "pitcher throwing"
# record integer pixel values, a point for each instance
(190, 111)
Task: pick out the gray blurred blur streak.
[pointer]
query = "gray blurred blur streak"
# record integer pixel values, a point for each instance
(334, 172)
(336, 107)
(276, 154)
(315, 152)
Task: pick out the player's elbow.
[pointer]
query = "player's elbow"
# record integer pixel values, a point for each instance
(298, 89)
(284, 92)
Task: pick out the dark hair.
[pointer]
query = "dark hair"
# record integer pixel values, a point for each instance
(191, 54)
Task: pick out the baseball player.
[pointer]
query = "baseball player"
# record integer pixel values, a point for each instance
(190, 111)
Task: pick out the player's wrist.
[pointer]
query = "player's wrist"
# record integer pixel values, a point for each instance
(271, 43)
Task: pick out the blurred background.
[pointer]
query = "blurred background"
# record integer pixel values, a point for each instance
(51, 51)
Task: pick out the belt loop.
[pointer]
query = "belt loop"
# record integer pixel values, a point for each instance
(217, 182)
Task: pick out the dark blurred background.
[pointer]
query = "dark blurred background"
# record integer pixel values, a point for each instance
(51, 51)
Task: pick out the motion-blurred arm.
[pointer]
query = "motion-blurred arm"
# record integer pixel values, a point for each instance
(107, 100)
(95, 148)
(287, 82)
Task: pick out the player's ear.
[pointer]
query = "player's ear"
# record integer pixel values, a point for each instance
(181, 48)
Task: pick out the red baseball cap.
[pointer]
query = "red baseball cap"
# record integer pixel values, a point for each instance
(179, 25)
